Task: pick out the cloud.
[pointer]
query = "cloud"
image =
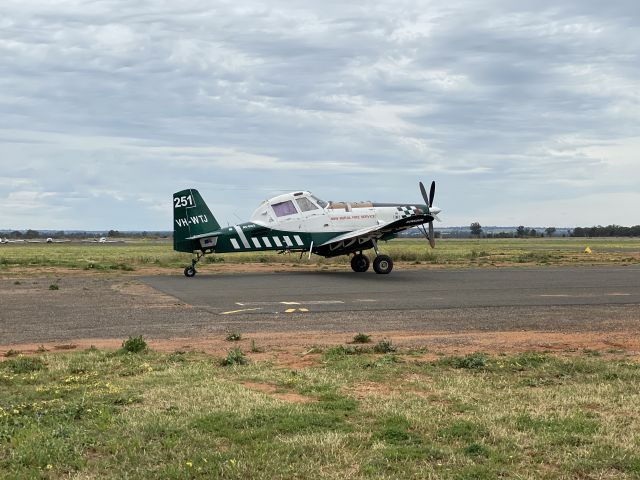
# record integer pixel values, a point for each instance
(505, 104)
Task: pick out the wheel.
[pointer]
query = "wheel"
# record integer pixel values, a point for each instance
(383, 264)
(360, 263)
(189, 272)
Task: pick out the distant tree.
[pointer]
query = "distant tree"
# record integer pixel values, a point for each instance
(550, 231)
(15, 234)
(476, 229)
(31, 234)
(521, 231)
(113, 233)
(533, 233)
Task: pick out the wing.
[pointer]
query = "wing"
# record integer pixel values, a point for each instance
(378, 231)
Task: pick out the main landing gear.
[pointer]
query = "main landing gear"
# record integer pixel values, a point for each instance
(191, 271)
(360, 263)
(382, 264)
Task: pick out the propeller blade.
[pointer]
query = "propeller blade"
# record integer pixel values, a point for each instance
(424, 196)
(432, 193)
(432, 239)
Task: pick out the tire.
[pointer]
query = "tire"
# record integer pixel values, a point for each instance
(189, 272)
(383, 264)
(360, 263)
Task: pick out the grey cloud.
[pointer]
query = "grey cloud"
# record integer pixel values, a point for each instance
(355, 100)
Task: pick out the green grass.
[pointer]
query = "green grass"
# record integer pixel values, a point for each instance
(448, 253)
(184, 415)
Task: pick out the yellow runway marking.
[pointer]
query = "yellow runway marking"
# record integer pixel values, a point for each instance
(240, 311)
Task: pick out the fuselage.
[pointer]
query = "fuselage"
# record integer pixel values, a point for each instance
(299, 221)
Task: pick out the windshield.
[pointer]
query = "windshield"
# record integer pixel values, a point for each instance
(322, 203)
(305, 204)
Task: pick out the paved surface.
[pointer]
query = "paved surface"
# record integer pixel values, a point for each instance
(251, 294)
(603, 299)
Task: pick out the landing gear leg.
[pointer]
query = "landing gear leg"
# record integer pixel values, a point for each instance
(191, 271)
(382, 264)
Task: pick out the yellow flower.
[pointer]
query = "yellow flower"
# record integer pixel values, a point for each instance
(189, 464)
(49, 466)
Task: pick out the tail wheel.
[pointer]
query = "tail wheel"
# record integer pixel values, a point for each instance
(189, 272)
(383, 264)
(360, 263)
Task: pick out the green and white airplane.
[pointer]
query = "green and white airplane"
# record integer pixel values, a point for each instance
(301, 222)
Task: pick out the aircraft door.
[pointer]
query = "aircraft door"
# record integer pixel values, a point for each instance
(311, 215)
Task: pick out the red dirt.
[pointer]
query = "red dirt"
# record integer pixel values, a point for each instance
(291, 349)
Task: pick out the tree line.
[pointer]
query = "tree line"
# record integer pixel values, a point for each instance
(608, 231)
(33, 234)
(524, 232)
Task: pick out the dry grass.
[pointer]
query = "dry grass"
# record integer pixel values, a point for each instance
(159, 258)
(114, 415)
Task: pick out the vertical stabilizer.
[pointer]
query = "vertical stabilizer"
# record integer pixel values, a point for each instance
(191, 217)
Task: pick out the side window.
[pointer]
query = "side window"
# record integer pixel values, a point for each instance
(305, 204)
(284, 208)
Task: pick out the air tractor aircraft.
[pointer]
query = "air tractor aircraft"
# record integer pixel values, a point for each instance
(301, 222)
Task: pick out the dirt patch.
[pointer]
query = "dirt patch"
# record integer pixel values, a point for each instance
(291, 349)
(368, 389)
(153, 298)
(278, 392)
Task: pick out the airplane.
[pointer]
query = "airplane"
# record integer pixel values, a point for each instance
(301, 222)
(101, 240)
(31, 240)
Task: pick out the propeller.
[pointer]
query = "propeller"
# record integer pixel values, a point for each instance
(428, 200)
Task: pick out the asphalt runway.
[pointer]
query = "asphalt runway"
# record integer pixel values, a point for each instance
(553, 299)
(308, 292)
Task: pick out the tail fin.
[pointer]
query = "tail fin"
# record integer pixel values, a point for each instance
(191, 217)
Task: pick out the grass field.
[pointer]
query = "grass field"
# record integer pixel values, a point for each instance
(352, 414)
(448, 253)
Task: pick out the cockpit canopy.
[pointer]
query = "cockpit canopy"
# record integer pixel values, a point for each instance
(284, 207)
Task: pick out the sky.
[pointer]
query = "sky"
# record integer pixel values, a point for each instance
(524, 113)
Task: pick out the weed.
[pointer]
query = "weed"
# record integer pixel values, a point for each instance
(233, 337)
(234, 357)
(16, 282)
(41, 349)
(341, 350)
(255, 348)
(361, 338)
(134, 345)
(384, 346)
(177, 356)
(54, 286)
(23, 364)
(472, 361)
(11, 353)
(476, 450)
(383, 361)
